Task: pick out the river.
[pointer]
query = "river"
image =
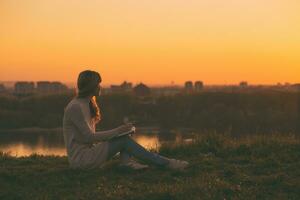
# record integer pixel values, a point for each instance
(50, 142)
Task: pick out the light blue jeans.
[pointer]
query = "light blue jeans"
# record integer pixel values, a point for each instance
(128, 147)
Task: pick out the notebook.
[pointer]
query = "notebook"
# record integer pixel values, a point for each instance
(127, 132)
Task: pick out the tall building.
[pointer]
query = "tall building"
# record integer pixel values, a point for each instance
(188, 86)
(50, 87)
(198, 86)
(43, 86)
(24, 88)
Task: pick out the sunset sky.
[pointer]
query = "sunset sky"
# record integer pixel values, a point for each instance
(151, 41)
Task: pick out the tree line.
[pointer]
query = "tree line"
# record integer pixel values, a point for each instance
(239, 113)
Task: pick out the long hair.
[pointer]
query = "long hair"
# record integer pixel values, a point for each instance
(87, 83)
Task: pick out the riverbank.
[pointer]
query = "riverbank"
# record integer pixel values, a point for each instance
(256, 167)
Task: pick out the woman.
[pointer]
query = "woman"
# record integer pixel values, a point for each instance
(87, 148)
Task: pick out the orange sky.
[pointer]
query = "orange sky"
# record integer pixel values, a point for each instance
(216, 41)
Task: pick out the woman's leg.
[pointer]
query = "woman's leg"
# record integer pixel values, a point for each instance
(124, 157)
(128, 145)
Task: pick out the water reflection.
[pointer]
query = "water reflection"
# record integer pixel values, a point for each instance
(147, 141)
(21, 149)
(51, 143)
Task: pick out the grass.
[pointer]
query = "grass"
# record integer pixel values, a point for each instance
(254, 167)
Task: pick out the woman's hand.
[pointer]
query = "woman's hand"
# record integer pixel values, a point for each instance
(125, 128)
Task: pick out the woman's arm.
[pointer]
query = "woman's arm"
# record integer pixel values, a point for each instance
(86, 134)
(106, 135)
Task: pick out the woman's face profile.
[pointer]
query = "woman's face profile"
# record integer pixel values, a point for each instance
(98, 90)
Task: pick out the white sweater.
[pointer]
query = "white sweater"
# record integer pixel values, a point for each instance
(86, 148)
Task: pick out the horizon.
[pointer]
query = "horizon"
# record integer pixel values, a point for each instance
(158, 84)
(73, 84)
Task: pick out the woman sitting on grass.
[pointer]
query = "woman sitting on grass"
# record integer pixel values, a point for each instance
(87, 148)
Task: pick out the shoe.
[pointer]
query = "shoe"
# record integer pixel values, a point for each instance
(132, 164)
(177, 164)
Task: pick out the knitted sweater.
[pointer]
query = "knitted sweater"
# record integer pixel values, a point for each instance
(86, 148)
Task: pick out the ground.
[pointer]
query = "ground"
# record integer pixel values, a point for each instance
(254, 167)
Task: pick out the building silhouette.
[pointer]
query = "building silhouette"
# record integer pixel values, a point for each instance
(166, 91)
(50, 87)
(124, 87)
(188, 87)
(141, 90)
(198, 86)
(24, 88)
(243, 84)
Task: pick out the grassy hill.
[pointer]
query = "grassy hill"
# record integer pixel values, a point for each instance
(254, 167)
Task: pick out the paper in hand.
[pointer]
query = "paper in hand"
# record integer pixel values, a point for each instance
(128, 132)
